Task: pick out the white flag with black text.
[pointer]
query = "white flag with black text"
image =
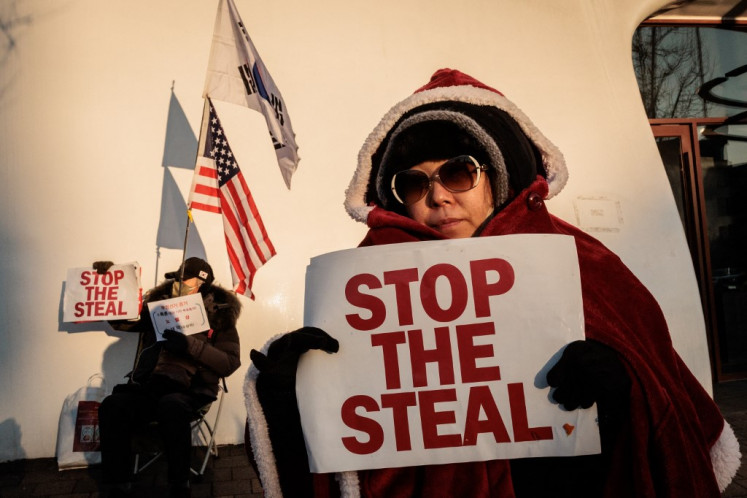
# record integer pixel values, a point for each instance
(236, 74)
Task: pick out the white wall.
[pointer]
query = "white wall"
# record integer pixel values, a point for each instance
(84, 94)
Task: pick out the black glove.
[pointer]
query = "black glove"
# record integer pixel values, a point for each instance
(102, 267)
(277, 395)
(278, 368)
(588, 372)
(176, 342)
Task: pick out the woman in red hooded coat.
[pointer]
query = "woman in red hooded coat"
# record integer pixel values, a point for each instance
(662, 434)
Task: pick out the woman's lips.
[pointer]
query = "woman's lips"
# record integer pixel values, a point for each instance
(446, 223)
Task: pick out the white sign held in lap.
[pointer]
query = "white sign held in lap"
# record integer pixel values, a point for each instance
(185, 314)
(444, 347)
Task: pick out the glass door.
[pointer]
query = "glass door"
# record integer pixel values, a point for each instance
(706, 163)
(723, 160)
(692, 75)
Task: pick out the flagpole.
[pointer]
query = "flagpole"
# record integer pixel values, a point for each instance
(158, 248)
(184, 251)
(190, 220)
(158, 260)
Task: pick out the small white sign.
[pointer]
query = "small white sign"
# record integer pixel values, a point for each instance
(184, 314)
(114, 295)
(598, 214)
(444, 349)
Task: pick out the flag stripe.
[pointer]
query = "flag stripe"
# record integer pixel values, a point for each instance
(248, 220)
(243, 261)
(208, 171)
(205, 207)
(243, 287)
(258, 225)
(241, 239)
(205, 190)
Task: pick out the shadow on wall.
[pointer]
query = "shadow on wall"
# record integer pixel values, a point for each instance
(180, 149)
(119, 357)
(10, 441)
(11, 25)
(179, 152)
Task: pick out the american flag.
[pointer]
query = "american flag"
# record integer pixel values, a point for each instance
(218, 186)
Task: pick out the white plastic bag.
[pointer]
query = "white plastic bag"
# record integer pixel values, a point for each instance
(78, 434)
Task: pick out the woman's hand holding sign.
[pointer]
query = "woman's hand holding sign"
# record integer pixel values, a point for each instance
(278, 367)
(276, 385)
(589, 372)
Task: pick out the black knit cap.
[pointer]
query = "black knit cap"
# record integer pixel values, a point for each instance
(443, 130)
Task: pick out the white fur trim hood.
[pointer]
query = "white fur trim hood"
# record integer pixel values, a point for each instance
(552, 158)
(262, 447)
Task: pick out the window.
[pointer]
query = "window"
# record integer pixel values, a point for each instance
(693, 82)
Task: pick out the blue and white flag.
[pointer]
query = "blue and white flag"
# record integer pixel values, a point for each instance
(236, 74)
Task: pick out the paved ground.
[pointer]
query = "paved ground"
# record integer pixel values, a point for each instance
(230, 475)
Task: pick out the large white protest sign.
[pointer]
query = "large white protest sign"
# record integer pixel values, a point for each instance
(185, 314)
(444, 347)
(114, 295)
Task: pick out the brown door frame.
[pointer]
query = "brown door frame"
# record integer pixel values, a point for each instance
(697, 224)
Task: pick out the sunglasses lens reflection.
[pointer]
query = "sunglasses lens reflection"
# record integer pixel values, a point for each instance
(411, 186)
(456, 175)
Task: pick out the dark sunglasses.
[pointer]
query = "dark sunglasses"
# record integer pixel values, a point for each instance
(459, 174)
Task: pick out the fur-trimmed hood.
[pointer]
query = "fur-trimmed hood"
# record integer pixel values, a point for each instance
(446, 85)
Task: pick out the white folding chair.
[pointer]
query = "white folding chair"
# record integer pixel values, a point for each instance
(202, 428)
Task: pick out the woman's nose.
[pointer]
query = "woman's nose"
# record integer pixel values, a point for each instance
(438, 195)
